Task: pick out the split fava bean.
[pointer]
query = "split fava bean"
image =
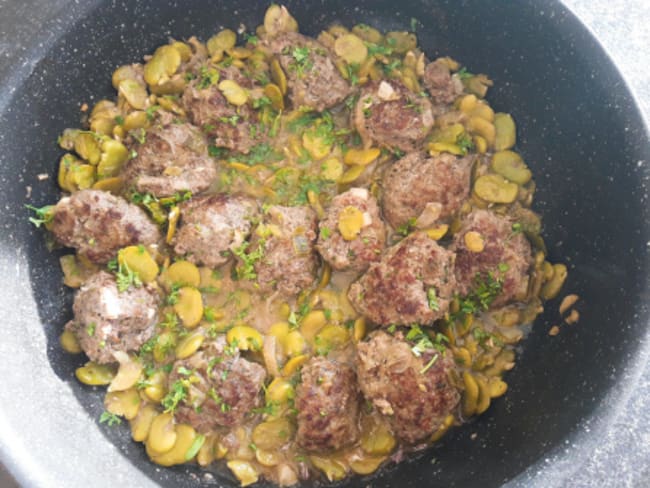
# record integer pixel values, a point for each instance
(362, 157)
(123, 403)
(189, 344)
(245, 338)
(366, 465)
(495, 189)
(185, 437)
(141, 424)
(222, 41)
(69, 342)
(162, 65)
(234, 93)
(243, 471)
(552, 288)
(95, 374)
(162, 434)
(351, 48)
(181, 273)
(350, 223)
(271, 435)
(138, 259)
(506, 132)
(189, 306)
(511, 166)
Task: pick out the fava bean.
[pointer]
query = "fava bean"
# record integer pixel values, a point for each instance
(510, 165)
(495, 189)
(189, 306)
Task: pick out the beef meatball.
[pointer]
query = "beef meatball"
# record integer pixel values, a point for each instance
(417, 183)
(504, 254)
(212, 226)
(312, 78)
(415, 393)
(173, 158)
(282, 251)
(327, 401)
(389, 114)
(220, 387)
(353, 252)
(413, 283)
(97, 224)
(227, 125)
(107, 320)
(441, 85)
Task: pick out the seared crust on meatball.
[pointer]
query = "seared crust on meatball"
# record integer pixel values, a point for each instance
(98, 224)
(413, 283)
(284, 244)
(107, 320)
(366, 247)
(506, 255)
(212, 226)
(314, 81)
(389, 114)
(327, 401)
(227, 125)
(442, 87)
(417, 182)
(415, 395)
(224, 385)
(173, 158)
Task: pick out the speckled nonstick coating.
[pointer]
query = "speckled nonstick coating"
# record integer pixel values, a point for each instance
(580, 133)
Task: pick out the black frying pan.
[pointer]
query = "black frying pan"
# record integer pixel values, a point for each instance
(579, 130)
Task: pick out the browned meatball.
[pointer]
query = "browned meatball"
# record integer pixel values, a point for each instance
(97, 224)
(413, 283)
(212, 226)
(220, 387)
(227, 125)
(282, 251)
(327, 401)
(417, 183)
(506, 255)
(313, 79)
(389, 114)
(366, 247)
(414, 392)
(107, 320)
(173, 158)
(442, 87)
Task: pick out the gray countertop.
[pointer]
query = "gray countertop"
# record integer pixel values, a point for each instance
(622, 28)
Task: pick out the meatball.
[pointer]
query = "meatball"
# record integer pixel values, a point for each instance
(173, 158)
(212, 226)
(327, 401)
(97, 224)
(389, 114)
(416, 182)
(506, 256)
(107, 320)
(220, 387)
(413, 283)
(416, 393)
(365, 247)
(442, 87)
(312, 78)
(282, 251)
(230, 126)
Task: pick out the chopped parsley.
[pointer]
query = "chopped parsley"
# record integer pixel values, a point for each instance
(110, 419)
(404, 229)
(464, 141)
(422, 341)
(126, 278)
(432, 299)
(486, 289)
(177, 393)
(463, 74)
(90, 330)
(217, 152)
(301, 60)
(429, 364)
(246, 270)
(377, 49)
(207, 77)
(44, 215)
(151, 110)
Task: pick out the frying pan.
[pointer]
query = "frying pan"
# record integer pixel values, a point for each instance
(574, 414)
